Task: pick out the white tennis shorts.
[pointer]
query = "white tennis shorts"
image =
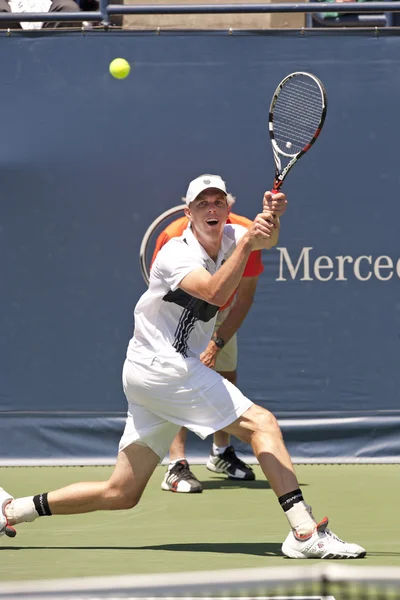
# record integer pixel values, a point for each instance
(164, 397)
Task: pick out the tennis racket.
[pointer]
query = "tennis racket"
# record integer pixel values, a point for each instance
(296, 117)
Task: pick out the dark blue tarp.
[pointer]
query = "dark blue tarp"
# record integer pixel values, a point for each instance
(88, 162)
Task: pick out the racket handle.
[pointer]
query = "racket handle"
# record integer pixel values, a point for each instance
(274, 191)
(267, 211)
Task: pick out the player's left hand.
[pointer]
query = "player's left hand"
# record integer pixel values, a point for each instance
(209, 356)
(274, 203)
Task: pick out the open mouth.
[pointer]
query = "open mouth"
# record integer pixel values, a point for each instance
(212, 222)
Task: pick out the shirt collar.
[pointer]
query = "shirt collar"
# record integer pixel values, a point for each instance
(226, 245)
(192, 241)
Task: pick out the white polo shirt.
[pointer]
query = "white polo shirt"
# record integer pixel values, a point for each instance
(169, 323)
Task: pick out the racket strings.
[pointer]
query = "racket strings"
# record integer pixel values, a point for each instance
(297, 114)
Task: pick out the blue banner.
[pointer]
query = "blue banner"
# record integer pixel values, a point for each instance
(88, 162)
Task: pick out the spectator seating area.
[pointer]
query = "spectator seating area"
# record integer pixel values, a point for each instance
(223, 21)
(337, 19)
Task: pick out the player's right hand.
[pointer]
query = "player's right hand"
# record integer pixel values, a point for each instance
(260, 232)
(274, 203)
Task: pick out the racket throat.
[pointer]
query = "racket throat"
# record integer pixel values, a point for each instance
(277, 184)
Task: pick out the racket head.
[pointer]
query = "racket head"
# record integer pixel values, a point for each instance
(296, 116)
(153, 231)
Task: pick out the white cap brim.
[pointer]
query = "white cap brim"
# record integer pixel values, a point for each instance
(204, 182)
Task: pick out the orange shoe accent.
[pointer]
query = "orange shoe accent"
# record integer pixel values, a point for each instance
(8, 529)
(303, 537)
(321, 526)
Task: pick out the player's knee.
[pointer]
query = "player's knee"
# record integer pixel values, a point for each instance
(265, 422)
(128, 501)
(120, 498)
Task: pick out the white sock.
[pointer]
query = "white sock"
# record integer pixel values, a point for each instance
(300, 518)
(21, 510)
(173, 462)
(219, 449)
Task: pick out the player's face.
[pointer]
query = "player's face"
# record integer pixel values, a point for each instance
(209, 212)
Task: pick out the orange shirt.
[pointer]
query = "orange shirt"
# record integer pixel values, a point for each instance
(254, 266)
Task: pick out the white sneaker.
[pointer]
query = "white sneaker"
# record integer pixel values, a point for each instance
(322, 543)
(5, 528)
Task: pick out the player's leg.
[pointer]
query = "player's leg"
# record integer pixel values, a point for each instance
(145, 440)
(223, 458)
(222, 439)
(62, 6)
(179, 477)
(260, 428)
(177, 448)
(219, 405)
(134, 467)
(307, 539)
(123, 490)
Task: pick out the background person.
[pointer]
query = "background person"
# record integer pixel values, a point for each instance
(21, 6)
(221, 355)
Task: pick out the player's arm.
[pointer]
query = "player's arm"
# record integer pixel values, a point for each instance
(275, 234)
(275, 204)
(238, 312)
(218, 288)
(233, 321)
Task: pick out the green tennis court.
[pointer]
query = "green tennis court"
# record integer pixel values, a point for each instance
(228, 526)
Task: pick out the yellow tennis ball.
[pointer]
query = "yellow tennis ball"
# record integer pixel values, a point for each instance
(120, 68)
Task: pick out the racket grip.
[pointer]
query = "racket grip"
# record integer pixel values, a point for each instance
(274, 191)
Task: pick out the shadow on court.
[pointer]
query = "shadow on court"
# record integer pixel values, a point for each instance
(249, 548)
(221, 483)
(383, 553)
(272, 550)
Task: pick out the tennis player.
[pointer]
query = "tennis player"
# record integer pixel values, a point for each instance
(221, 354)
(168, 387)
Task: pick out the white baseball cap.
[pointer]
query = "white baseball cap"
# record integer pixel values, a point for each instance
(204, 182)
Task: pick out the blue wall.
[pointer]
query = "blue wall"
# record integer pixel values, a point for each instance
(88, 162)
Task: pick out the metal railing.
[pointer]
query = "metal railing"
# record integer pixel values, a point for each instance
(107, 10)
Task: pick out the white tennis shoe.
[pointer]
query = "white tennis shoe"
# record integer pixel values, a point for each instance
(322, 543)
(5, 528)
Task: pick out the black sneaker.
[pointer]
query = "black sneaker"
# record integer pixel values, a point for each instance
(180, 478)
(230, 464)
